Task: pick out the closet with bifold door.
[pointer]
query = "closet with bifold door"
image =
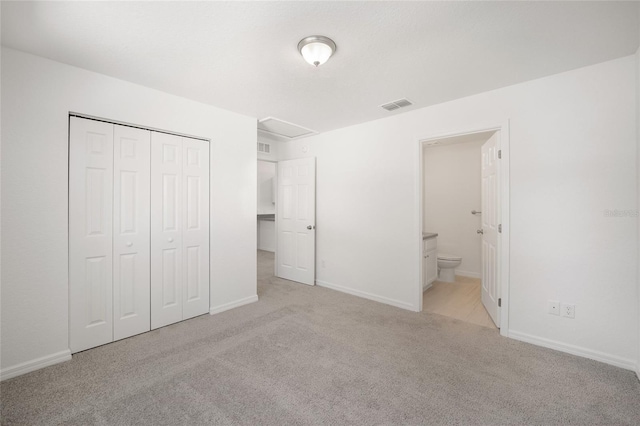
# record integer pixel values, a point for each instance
(138, 230)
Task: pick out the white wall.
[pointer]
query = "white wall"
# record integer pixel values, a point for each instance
(37, 95)
(266, 205)
(266, 174)
(452, 177)
(274, 147)
(638, 178)
(573, 150)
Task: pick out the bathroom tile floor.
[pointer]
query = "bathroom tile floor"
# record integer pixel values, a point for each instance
(460, 300)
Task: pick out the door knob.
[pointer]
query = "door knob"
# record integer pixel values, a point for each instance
(129, 243)
(310, 227)
(170, 240)
(479, 231)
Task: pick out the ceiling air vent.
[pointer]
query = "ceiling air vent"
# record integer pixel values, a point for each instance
(283, 129)
(400, 103)
(264, 148)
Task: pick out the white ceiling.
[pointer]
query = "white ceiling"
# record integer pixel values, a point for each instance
(242, 56)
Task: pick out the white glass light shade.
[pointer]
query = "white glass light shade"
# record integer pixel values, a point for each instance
(316, 50)
(316, 53)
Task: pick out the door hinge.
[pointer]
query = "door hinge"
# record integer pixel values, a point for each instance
(500, 228)
(499, 153)
(499, 302)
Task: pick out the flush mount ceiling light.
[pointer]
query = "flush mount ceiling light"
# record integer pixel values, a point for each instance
(316, 49)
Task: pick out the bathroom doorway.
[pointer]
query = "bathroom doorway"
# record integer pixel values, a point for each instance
(462, 218)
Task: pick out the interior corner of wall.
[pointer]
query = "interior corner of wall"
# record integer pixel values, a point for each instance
(35, 364)
(231, 305)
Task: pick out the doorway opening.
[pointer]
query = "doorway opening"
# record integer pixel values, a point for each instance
(266, 206)
(266, 215)
(286, 218)
(464, 226)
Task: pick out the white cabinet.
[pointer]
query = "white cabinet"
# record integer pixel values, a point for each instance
(429, 262)
(138, 230)
(267, 234)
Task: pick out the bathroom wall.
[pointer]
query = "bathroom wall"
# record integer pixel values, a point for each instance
(451, 190)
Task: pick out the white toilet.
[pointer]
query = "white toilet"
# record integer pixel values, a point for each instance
(447, 265)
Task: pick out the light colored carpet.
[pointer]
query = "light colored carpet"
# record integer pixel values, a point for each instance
(309, 355)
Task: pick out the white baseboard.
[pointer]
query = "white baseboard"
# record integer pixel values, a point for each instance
(468, 274)
(627, 364)
(35, 364)
(427, 287)
(370, 296)
(231, 305)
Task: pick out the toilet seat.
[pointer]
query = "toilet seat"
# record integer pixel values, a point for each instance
(442, 256)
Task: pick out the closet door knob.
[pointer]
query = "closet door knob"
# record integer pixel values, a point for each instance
(170, 240)
(129, 243)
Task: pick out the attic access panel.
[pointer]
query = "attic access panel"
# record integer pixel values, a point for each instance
(283, 128)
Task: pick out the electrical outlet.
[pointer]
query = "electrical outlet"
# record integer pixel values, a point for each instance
(554, 307)
(568, 310)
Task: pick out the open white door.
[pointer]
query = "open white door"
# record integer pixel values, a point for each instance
(490, 217)
(296, 220)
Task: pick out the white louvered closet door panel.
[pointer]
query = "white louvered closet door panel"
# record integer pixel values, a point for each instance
(166, 229)
(131, 232)
(90, 233)
(195, 229)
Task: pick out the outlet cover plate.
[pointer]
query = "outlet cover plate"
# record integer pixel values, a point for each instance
(554, 307)
(568, 310)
